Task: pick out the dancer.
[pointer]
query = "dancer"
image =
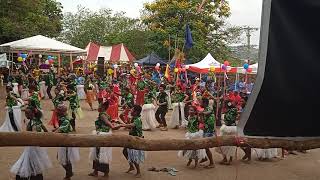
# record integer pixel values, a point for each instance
(148, 112)
(209, 129)
(25, 88)
(141, 86)
(228, 129)
(58, 99)
(134, 157)
(12, 121)
(102, 156)
(193, 132)
(49, 82)
(127, 105)
(162, 102)
(178, 118)
(67, 156)
(89, 92)
(73, 104)
(34, 160)
(34, 99)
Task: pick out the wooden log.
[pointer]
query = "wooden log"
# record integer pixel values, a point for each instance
(84, 140)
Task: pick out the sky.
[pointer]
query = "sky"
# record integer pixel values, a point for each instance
(243, 12)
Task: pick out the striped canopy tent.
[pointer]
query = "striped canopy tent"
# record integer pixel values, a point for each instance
(114, 54)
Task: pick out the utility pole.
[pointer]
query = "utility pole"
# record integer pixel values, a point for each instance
(248, 30)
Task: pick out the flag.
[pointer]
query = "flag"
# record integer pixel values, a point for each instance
(189, 41)
(167, 73)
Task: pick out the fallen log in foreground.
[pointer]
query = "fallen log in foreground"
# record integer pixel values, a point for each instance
(85, 140)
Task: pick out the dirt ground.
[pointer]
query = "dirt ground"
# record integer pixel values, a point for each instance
(302, 166)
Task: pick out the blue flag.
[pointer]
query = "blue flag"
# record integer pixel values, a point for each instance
(189, 41)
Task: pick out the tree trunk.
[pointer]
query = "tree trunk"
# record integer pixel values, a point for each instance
(84, 140)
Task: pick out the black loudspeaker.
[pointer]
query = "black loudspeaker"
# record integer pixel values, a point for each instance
(100, 67)
(285, 100)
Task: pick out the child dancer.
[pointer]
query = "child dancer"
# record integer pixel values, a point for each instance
(178, 118)
(193, 132)
(134, 157)
(102, 156)
(162, 101)
(209, 129)
(12, 122)
(34, 160)
(67, 156)
(228, 129)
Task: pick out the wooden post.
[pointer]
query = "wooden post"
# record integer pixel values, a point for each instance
(165, 144)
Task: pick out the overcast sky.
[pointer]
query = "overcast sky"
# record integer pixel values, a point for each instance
(244, 12)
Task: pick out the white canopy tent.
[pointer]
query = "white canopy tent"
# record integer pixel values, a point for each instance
(43, 45)
(204, 65)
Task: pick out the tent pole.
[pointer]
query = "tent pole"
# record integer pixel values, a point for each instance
(59, 64)
(71, 65)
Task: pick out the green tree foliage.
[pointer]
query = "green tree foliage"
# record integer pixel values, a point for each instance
(166, 18)
(25, 18)
(105, 28)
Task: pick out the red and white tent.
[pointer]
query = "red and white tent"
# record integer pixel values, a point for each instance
(203, 67)
(114, 54)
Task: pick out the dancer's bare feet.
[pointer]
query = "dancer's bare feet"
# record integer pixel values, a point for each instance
(93, 174)
(189, 162)
(138, 175)
(130, 169)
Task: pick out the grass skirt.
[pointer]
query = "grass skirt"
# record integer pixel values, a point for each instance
(6, 126)
(135, 156)
(175, 121)
(227, 150)
(68, 155)
(148, 117)
(105, 155)
(33, 161)
(193, 154)
(25, 94)
(267, 153)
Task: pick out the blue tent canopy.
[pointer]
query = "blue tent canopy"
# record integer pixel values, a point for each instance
(151, 60)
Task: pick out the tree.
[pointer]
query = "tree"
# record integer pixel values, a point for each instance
(20, 19)
(169, 17)
(105, 28)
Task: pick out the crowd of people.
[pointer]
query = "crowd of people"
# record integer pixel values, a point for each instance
(137, 100)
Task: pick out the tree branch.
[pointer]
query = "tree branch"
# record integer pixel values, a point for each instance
(84, 140)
